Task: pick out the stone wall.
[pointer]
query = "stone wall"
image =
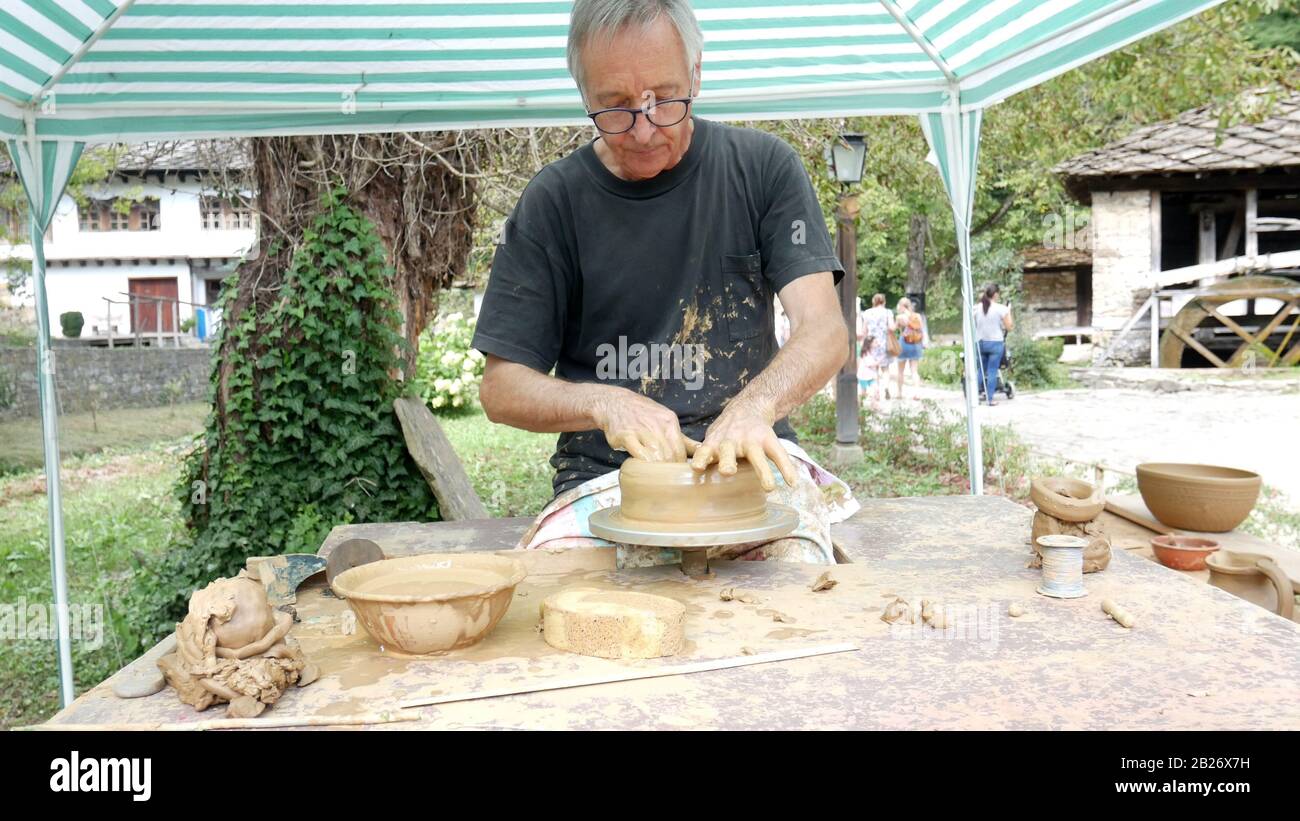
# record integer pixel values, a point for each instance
(1122, 263)
(123, 377)
(1051, 298)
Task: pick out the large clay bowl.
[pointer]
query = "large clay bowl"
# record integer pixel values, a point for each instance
(1070, 500)
(674, 492)
(421, 605)
(1182, 552)
(1207, 498)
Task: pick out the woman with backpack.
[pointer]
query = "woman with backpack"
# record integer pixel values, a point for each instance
(911, 330)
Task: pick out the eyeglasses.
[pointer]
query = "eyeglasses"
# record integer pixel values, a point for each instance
(660, 113)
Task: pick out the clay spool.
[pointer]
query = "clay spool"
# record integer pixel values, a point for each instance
(619, 624)
(1062, 566)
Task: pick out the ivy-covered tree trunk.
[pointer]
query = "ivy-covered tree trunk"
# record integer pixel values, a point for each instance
(357, 236)
(419, 191)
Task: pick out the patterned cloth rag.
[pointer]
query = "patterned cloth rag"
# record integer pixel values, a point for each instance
(820, 498)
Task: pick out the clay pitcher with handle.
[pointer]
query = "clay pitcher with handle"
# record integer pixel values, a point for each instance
(1257, 579)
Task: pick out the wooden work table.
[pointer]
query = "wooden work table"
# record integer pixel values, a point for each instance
(1197, 657)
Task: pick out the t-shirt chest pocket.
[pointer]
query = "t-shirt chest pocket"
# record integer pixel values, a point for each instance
(743, 300)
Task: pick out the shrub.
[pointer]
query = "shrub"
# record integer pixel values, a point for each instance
(448, 370)
(72, 322)
(1034, 363)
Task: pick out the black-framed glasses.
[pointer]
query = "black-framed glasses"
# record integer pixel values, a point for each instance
(660, 113)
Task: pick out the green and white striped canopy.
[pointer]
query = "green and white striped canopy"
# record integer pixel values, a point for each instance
(77, 71)
(131, 70)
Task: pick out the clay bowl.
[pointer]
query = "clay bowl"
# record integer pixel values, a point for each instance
(675, 493)
(422, 605)
(1206, 498)
(1182, 552)
(1070, 500)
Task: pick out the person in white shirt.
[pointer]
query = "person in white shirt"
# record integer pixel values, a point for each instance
(992, 322)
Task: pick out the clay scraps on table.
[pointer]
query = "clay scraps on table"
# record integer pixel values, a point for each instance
(735, 594)
(233, 648)
(824, 582)
(897, 611)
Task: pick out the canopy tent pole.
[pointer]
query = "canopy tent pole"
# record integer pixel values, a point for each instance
(44, 169)
(954, 139)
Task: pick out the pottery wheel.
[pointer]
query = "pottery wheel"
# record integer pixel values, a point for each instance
(610, 524)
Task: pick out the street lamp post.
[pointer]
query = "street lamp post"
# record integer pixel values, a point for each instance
(847, 155)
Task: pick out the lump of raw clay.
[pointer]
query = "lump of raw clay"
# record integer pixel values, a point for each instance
(1096, 556)
(896, 611)
(232, 647)
(614, 624)
(251, 618)
(824, 582)
(1118, 613)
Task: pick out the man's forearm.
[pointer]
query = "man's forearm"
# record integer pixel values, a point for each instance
(809, 359)
(518, 396)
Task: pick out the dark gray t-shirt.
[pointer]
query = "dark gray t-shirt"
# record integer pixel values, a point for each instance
(662, 286)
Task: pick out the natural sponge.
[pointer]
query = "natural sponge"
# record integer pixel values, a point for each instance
(613, 624)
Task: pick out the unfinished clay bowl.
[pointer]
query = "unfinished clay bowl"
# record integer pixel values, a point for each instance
(422, 605)
(1070, 500)
(1206, 498)
(1182, 552)
(670, 504)
(676, 493)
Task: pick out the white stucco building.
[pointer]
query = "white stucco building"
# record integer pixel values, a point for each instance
(147, 251)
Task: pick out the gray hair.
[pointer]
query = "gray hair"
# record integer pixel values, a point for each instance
(590, 17)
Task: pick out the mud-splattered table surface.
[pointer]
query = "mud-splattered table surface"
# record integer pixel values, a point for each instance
(1197, 657)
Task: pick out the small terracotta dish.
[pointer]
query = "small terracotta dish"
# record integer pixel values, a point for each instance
(1183, 552)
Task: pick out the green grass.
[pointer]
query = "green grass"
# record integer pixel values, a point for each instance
(915, 451)
(22, 447)
(509, 468)
(114, 505)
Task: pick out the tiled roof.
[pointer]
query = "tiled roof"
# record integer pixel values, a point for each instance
(1190, 144)
(172, 155)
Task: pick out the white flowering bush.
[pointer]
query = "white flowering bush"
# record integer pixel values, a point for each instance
(448, 369)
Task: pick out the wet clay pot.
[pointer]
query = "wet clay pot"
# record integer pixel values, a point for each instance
(1070, 500)
(422, 605)
(1207, 498)
(1182, 552)
(1257, 579)
(676, 493)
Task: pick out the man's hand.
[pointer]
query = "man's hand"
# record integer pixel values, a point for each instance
(641, 427)
(743, 429)
(818, 345)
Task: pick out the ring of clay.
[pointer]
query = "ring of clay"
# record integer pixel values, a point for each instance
(1070, 500)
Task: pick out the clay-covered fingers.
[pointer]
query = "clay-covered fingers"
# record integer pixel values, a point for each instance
(777, 453)
(629, 442)
(727, 458)
(690, 444)
(703, 457)
(674, 443)
(756, 457)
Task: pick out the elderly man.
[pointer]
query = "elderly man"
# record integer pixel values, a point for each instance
(642, 269)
